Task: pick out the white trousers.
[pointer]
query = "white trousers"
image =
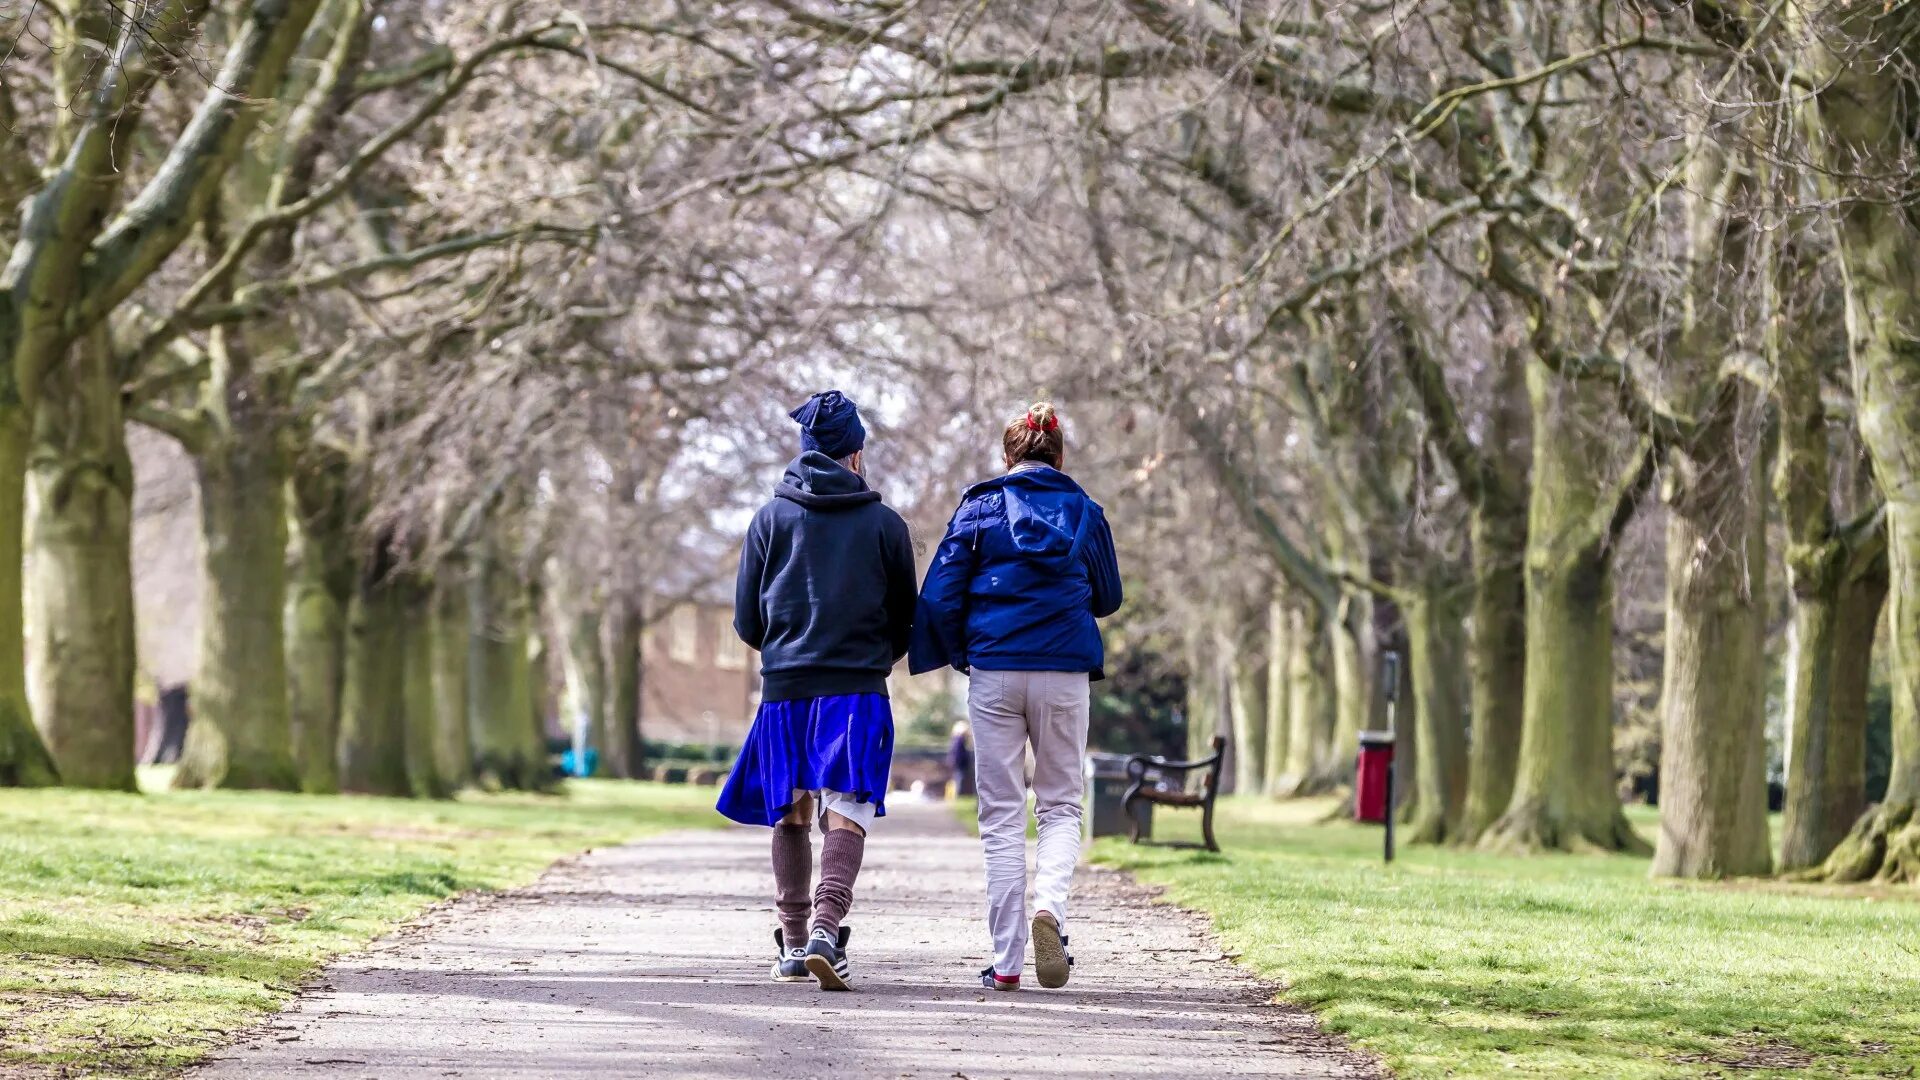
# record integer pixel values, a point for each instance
(1009, 711)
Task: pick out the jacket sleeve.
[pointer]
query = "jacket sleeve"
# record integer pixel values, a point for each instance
(747, 619)
(897, 557)
(1103, 570)
(940, 622)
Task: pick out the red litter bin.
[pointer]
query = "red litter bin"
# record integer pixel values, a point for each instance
(1373, 786)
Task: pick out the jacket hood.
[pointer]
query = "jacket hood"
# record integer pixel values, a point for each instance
(818, 482)
(1047, 513)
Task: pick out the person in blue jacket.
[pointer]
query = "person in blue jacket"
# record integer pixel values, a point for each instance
(825, 593)
(1026, 568)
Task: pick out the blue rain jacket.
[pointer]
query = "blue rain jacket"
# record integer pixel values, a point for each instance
(1025, 569)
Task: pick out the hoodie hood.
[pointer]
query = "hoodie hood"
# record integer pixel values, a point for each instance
(1047, 513)
(818, 482)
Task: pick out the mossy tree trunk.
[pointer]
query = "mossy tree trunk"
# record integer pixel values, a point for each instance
(24, 760)
(1248, 687)
(1829, 665)
(80, 587)
(373, 745)
(1492, 472)
(1203, 695)
(1352, 640)
(500, 695)
(320, 590)
(1859, 123)
(1497, 662)
(621, 756)
(1884, 844)
(1713, 783)
(1279, 656)
(241, 736)
(452, 630)
(1436, 648)
(73, 258)
(1309, 705)
(1836, 586)
(1563, 794)
(418, 711)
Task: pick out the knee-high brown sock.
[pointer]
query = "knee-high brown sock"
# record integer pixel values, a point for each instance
(792, 879)
(839, 865)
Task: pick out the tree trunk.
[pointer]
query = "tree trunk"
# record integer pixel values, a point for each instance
(1713, 782)
(1836, 585)
(1884, 844)
(1248, 687)
(1497, 658)
(1353, 651)
(24, 761)
(577, 619)
(1498, 664)
(1434, 645)
(373, 713)
(1860, 124)
(1279, 655)
(452, 630)
(1309, 705)
(319, 592)
(620, 744)
(80, 652)
(419, 711)
(500, 703)
(1563, 795)
(1203, 697)
(241, 736)
(1829, 667)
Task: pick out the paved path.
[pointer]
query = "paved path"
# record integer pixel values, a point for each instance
(651, 960)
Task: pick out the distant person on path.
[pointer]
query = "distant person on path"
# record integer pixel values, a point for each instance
(960, 760)
(1026, 567)
(825, 593)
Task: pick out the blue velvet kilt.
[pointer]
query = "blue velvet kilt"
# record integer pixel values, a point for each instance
(840, 743)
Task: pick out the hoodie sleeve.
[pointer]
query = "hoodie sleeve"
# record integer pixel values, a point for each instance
(1103, 568)
(940, 622)
(897, 556)
(747, 619)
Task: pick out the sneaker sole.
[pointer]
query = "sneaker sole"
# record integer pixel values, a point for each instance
(1049, 955)
(823, 973)
(791, 978)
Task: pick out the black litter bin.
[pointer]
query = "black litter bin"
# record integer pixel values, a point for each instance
(1107, 784)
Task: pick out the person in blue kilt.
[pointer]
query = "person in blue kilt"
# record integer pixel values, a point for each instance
(826, 593)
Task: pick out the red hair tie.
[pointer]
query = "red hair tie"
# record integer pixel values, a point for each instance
(1052, 423)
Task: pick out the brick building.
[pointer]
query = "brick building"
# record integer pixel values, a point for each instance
(700, 684)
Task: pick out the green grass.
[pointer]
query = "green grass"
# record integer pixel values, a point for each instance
(1460, 964)
(137, 932)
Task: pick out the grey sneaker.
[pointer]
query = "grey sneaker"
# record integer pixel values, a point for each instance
(1051, 960)
(791, 965)
(827, 958)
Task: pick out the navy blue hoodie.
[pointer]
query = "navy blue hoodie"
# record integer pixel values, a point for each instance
(1026, 568)
(825, 590)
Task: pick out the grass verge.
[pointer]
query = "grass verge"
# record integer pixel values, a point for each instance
(138, 932)
(1458, 964)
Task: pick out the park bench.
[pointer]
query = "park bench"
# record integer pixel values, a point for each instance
(1170, 783)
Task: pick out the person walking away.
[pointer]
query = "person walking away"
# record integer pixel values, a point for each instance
(1026, 567)
(825, 592)
(959, 762)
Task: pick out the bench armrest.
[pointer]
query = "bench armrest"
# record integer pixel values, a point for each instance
(1138, 764)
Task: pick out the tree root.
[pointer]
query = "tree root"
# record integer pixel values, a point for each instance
(1530, 828)
(1883, 846)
